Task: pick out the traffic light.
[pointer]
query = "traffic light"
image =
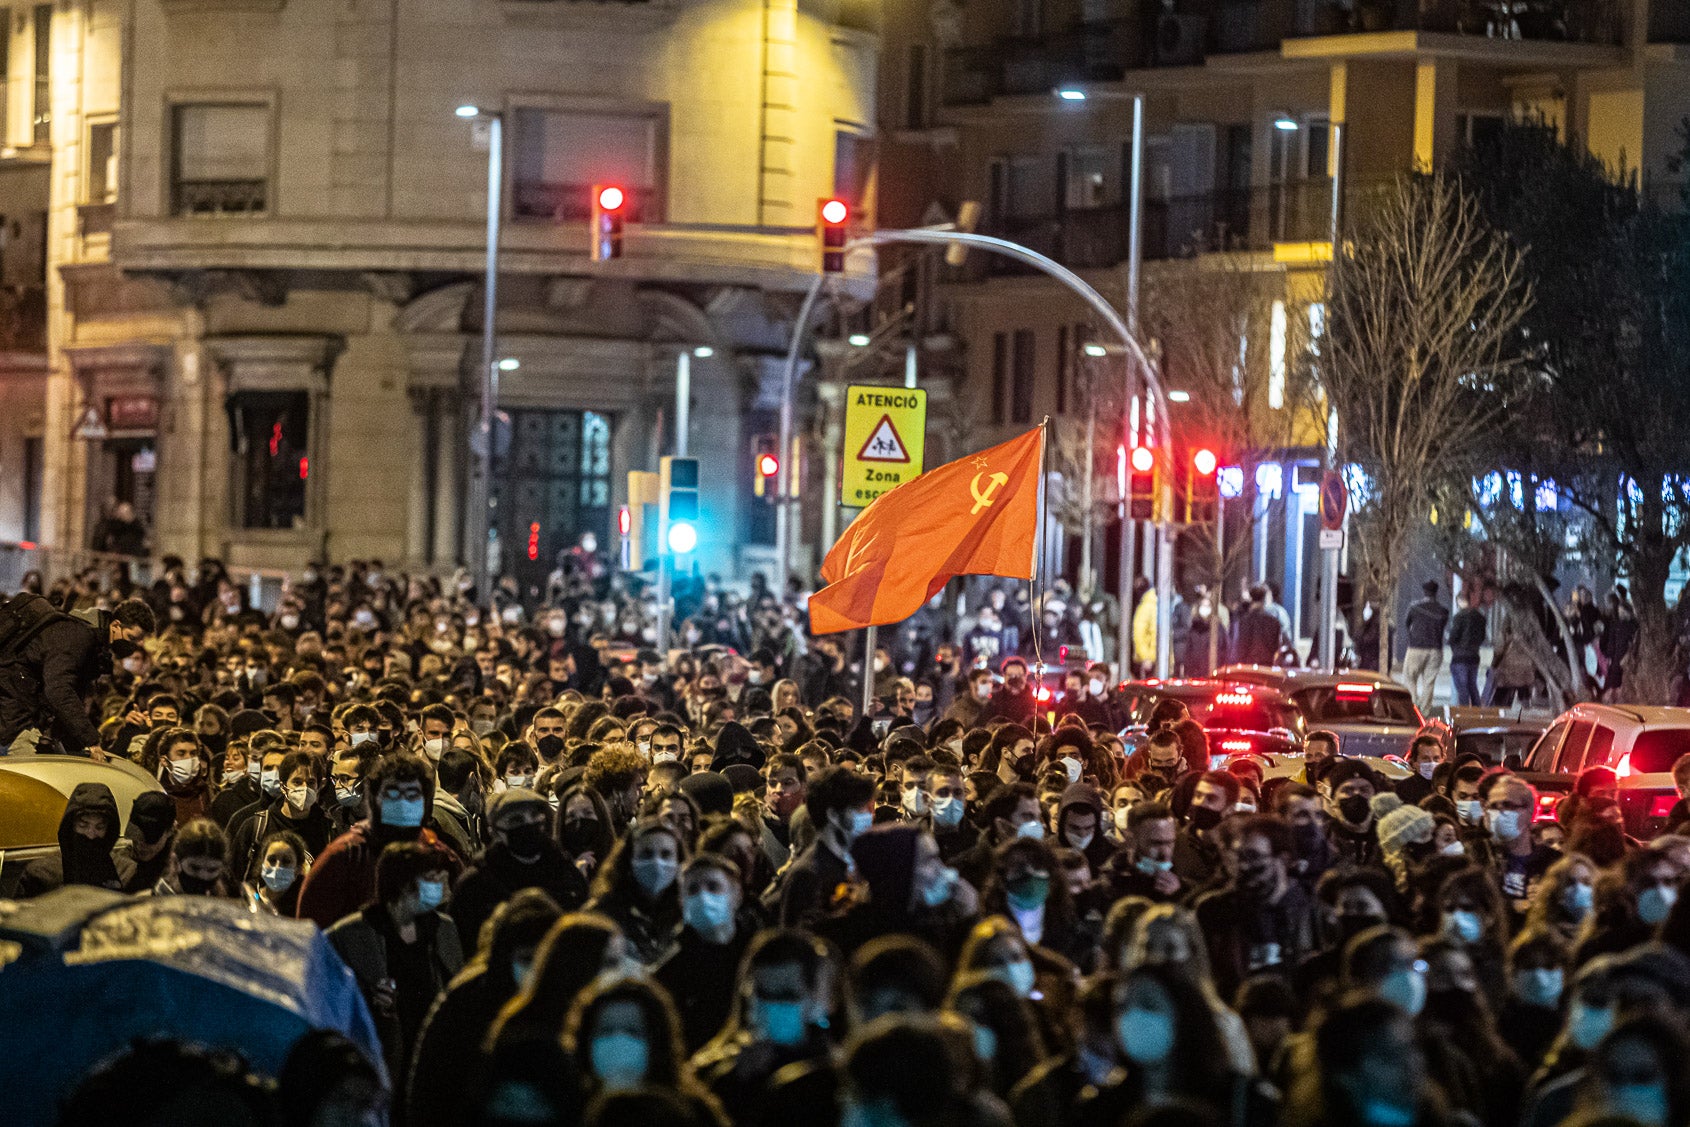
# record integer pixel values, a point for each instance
(679, 520)
(609, 203)
(765, 467)
(1142, 484)
(831, 217)
(1203, 492)
(640, 545)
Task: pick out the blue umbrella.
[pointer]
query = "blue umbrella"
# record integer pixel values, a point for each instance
(192, 968)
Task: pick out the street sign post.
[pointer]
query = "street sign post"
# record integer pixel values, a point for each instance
(90, 425)
(885, 439)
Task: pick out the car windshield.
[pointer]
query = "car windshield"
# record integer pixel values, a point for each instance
(1494, 747)
(1240, 709)
(1657, 749)
(1338, 704)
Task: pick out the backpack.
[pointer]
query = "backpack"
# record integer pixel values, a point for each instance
(22, 617)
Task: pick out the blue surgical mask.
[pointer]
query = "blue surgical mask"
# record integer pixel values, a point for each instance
(1406, 989)
(1646, 1103)
(619, 1060)
(1147, 1036)
(940, 890)
(1463, 925)
(780, 1022)
(278, 878)
(655, 874)
(1019, 976)
(1505, 825)
(1654, 903)
(1034, 830)
(430, 894)
(707, 911)
(1587, 1025)
(270, 782)
(1151, 867)
(947, 812)
(361, 738)
(402, 813)
(861, 820)
(1578, 899)
(1540, 986)
(1469, 810)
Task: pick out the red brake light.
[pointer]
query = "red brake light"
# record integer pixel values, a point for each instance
(1663, 805)
(1355, 689)
(1041, 693)
(1237, 697)
(1235, 745)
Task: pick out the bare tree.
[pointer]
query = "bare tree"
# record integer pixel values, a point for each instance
(1422, 311)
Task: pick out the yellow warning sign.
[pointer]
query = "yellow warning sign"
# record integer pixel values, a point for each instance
(885, 435)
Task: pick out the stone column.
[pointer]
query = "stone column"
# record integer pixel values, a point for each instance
(447, 437)
(416, 501)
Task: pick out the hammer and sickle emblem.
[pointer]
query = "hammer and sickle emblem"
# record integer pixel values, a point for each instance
(983, 498)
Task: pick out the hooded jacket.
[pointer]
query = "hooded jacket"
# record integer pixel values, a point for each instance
(151, 817)
(1080, 796)
(57, 668)
(81, 860)
(735, 744)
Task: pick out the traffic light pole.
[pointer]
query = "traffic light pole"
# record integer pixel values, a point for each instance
(481, 487)
(1327, 644)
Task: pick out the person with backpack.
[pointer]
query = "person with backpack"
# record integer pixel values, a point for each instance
(50, 662)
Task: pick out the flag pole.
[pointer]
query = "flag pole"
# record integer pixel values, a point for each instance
(870, 641)
(1041, 545)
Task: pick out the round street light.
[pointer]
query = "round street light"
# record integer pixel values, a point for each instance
(468, 111)
(683, 537)
(1204, 462)
(835, 211)
(1143, 459)
(611, 197)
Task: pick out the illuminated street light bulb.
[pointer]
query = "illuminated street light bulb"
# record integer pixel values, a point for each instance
(1070, 94)
(468, 111)
(509, 364)
(1285, 123)
(858, 340)
(704, 352)
(1143, 459)
(835, 211)
(1179, 397)
(1095, 351)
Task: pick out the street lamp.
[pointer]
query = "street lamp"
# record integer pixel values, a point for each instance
(1179, 397)
(481, 492)
(858, 340)
(1071, 94)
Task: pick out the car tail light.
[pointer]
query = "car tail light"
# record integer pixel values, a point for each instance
(1041, 693)
(1546, 804)
(1663, 805)
(1236, 746)
(1354, 689)
(1237, 697)
(1623, 767)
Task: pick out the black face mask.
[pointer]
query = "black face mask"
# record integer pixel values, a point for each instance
(1355, 808)
(580, 834)
(1257, 879)
(215, 743)
(195, 886)
(1014, 684)
(549, 747)
(526, 842)
(1203, 818)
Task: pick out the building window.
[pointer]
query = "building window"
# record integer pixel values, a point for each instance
(915, 87)
(550, 487)
(1000, 374)
(43, 28)
(222, 159)
(1064, 368)
(272, 457)
(561, 154)
(1086, 178)
(102, 162)
(853, 171)
(34, 464)
(1024, 368)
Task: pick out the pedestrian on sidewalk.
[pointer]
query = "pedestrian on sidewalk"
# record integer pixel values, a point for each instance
(1424, 625)
(1466, 635)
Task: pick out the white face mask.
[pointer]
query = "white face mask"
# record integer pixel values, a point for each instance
(302, 798)
(1072, 766)
(434, 748)
(915, 801)
(1097, 687)
(184, 770)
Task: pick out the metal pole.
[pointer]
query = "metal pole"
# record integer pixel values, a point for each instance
(1135, 261)
(664, 617)
(789, 378)
(481, 491)
(870, 644)
(1220, 585)
(1329, 558)
(683, 400)
(910, 364)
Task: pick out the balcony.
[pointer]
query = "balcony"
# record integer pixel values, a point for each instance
(222, 197)
(1251, 219)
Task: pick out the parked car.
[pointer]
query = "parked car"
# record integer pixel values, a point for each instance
(1372, 716)
(34, 790)
(1240, 719)
(1640, 743)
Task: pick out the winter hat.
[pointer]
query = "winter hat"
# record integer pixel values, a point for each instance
(885, 857)
(1344, 770)
(510, 799)
(1399, 824)
(743, 777)
(713, 793)
(152, 815)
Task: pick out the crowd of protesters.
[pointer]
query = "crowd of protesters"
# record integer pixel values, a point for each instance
(578, 881)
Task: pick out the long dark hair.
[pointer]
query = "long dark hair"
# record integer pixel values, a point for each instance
(569, 958)
(1199, 1060)
(1059, 906)
(665, 1063)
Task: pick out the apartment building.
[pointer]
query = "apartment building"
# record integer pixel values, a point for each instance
(1026, 107)
(263, 256)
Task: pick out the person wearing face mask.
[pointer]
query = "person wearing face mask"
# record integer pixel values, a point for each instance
(779, 1021)
(1094, 704)
(399, 795)
(401, 947)
(1518, 862)
(523, 853)
(1026, 886)
(1405, 836)
(946, 809)
(1262, 922)
(458, 1023)
(54, 660)
(1637, 1074)
(840, 806)
(282, 864)
(1013, 701)
(910, 891)
(1473, 917)
(87, 832)
(702, 969)
(1356, 900)
(636, 887)
(1536, 983)
(295, 809)
(620, 1039)
(1633, 912)
(1352, 784)
(146, 841)
(970, 703)
(1079, 826)
(183, 767)
(1171, 1049)
(1425, 755)
(1364, 1068)
(199, 862)
(1197, 853)
(1563, 901)
(1480, 1075)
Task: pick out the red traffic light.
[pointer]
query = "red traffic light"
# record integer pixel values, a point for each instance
(1204, 462)
(835, 211)
(1144, 459)
(611, 198)
(624, 521)
(768, 465)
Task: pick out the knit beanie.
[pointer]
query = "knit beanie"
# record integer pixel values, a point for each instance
(1399, 824)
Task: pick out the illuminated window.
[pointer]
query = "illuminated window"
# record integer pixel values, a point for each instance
(272, 466)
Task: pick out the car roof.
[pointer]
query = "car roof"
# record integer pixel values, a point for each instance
(1196, 686)
(1649, 715)
(62, 773)
(1303, 678)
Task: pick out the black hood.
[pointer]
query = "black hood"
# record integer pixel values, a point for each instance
(735, 744)
(85, 860)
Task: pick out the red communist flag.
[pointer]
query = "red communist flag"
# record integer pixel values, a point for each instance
(975, 516)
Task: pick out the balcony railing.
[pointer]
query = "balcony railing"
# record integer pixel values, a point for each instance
(569, 202)
(222, 197)
(1178, 227)
(1153, 37)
